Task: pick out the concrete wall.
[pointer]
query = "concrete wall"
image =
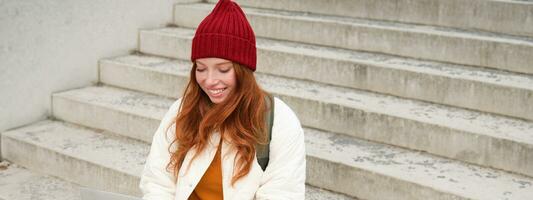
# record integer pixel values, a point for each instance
(54, 45)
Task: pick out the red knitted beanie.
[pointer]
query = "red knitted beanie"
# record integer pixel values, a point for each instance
(225, 33)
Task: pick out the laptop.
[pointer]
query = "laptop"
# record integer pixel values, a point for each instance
(93, 194)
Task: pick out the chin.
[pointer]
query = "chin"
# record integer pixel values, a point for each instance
(220, 99)
(216, 101)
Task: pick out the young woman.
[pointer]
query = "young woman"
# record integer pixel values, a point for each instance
(207, 144)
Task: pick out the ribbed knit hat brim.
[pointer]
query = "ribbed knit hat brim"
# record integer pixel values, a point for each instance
(224, 46)
(225, 33)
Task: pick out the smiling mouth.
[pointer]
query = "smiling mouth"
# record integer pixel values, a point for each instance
(215, 92)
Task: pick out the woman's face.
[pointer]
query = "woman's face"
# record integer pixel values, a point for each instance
(216, 77)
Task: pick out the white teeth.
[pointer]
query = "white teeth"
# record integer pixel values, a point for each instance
(216, 91)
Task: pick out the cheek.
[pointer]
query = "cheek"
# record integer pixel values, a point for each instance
(232, 80)
(199, 78)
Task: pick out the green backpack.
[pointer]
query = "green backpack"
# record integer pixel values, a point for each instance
(263, 150)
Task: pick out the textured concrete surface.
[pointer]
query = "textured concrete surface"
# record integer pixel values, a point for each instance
(79, 155)
(50, 46)
(314, 193)
(370, 170)
(377, 171)
(156, 42)
(417, 41)
(471, 136)
(507, 16)
(476, 137)
(462, 86)
(18, 183)
(136, 115)
(88, 157)
(124, 71)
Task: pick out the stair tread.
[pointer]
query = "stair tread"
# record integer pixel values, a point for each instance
(19, 183)
(443, 174)
(128, 156)
(485, 75)
(447, 116)
(100, 148)
(315, 193)
(114, 152)
(434, 30)
(148, 105)
(462, 119)
(509, 19)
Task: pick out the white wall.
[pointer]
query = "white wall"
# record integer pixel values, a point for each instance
(54, 45)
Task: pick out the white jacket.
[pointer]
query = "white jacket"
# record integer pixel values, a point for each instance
(284, 177)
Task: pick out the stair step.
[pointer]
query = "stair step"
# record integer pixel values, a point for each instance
(314, 193)
(508, 16)
(136, 115)
(376, 171)
(79, 155)
(154, 71)
(19, 183)
(358, 168)
(492, 50)
(89, 157)
(462, 86)
(475, 137)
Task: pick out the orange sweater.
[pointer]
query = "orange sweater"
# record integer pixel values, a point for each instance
(210, 186)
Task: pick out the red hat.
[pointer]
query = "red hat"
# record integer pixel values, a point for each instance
(225, 33)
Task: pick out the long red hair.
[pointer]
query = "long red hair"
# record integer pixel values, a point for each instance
(240, 119)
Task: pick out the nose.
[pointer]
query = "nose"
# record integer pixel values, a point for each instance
(212, 79)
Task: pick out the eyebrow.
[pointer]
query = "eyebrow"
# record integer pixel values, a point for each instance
(218, 64)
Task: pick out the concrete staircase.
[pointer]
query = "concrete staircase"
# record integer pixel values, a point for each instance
(407, 99)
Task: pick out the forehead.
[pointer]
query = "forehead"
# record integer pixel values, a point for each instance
(212, 61)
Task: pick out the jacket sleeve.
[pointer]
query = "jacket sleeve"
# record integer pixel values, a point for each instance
(156, 182)
(284, 177)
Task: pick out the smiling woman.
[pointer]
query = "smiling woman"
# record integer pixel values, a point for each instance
(226, 138)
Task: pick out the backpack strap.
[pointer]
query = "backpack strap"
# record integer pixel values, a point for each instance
(263, 150)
